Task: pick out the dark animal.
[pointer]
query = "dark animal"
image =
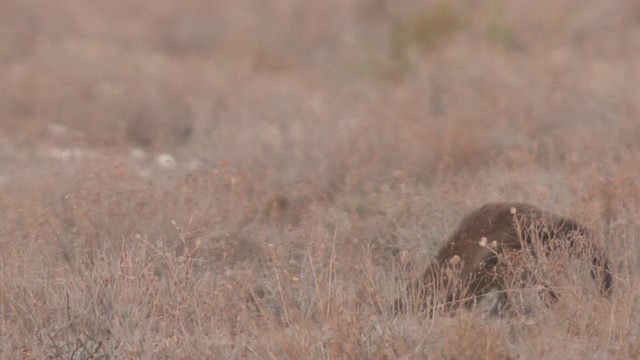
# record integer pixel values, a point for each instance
(492, 246)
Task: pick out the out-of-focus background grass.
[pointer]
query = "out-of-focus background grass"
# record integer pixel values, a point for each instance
(216, 179)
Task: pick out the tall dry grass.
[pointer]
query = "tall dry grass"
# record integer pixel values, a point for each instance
(310, 146)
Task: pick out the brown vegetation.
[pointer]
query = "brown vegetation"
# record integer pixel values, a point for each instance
(253, 179)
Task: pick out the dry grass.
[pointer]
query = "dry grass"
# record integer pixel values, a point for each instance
(216, 180)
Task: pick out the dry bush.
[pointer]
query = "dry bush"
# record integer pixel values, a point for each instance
(304, 163)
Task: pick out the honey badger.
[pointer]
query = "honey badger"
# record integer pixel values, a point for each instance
(477, 258)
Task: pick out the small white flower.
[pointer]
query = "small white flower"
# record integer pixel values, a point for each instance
(454, 260)
(65, 155)
(165, 161)
(483, 241)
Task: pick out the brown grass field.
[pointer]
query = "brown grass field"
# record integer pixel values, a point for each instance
(259, 179)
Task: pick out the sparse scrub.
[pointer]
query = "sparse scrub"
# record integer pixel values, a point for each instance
(425, 29)
(501, 34)
(498, 31)
(212, 180)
